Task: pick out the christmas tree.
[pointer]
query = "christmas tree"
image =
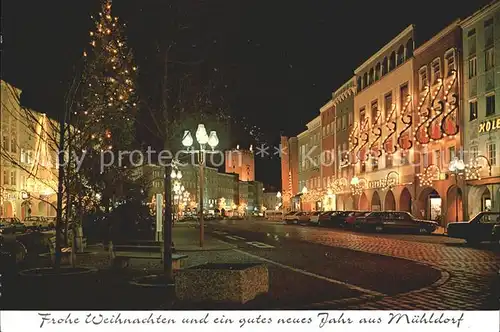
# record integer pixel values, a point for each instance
(108, 102)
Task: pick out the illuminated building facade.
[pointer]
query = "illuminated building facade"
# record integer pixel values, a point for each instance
(380, 145)
(437, 126)
(343, 101)
(241, 162)
(481, 114)
(28, 152)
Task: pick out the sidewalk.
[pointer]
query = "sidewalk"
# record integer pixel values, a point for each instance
(187, 238)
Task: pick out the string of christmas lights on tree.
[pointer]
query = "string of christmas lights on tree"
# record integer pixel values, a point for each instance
(108, 101)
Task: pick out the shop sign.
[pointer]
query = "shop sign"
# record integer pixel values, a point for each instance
(383, 183)
(489, 125)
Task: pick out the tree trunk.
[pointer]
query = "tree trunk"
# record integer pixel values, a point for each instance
(60, 193)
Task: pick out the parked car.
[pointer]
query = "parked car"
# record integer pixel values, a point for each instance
(324, 218)
(303, 218)
(394, 221)
(485, 226)
(314, 217)
(290, 216)
(295, 218)
(11, 225)
(351, 218)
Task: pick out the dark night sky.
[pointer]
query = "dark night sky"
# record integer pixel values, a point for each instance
(281, 59)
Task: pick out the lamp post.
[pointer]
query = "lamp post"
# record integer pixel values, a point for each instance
(487, 162)
(203, 139)
(278, 194)
(456, 166)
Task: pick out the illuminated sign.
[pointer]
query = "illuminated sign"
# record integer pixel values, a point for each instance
(487, 126)
(383, 183)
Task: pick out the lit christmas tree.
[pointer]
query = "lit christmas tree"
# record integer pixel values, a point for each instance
(107, 103)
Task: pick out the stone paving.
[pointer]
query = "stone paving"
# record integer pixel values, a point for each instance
(473, 272)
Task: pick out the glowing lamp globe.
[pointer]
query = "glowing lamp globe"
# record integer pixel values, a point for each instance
(179, 175)
(201, 134)
(213, 140)
(355, 181)
(187, 139)
(173, 175)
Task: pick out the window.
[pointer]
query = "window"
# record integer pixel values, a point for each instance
(451, 153)
(436, 70)
(471, 41)
(377, 72)
(425, 161)
(472, 67)
(472, 110)
(384, 66)
(374, 112)
(5, 177)
(490, 105)
(492, 153)
(401, 55)
(387, 104)
(5, 141)
(392, 61)
(351, 118)
(488, 32)
(13, 178)
(449, 59)
(437, 157)
(338, 125)
(374, 162)
(489, 59)
(362, 117)
(403, 96)
(423, 79)
(344, 122)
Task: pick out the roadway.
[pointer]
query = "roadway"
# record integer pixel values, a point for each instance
(373, 271)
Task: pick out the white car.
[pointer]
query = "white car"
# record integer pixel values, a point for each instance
(290, 216)
(314, 217)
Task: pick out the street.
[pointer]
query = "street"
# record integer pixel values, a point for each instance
(372, 271)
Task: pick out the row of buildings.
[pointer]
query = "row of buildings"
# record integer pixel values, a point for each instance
(28, 174)
(386, 139)
(235, 191)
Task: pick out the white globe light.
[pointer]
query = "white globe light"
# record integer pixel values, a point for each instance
(278, 194)
(173, 175)
(201, 134)
(187, 139)
(213, 140)
(460, 165)
(354, 181)
(304, 190)
(179, 175)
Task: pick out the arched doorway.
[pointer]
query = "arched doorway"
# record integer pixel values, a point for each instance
(376, 204)
(430, 205)
(405, 201)
(454, 211)
(8, 209)
(363, 202)
(486, 200)
(42, 209)
(390, 201)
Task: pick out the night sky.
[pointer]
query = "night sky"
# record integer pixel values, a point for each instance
(280, 60)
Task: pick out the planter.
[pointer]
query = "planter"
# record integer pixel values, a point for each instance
(68, 288)
(234, 283)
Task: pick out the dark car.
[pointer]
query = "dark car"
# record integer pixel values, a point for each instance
(11, 226)
(333, 218)
(324, 218)
(483, 227)
(392, 221)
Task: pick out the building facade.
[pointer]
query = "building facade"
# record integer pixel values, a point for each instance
(328, 153)
(271, 201)
(241, 162)
(343, 100)
(437, 126)
(28, 154)
(481, 116)
(379, 138)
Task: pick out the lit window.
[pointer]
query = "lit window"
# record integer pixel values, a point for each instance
(5, 177)
(492, 153)
(450, 62)
(472, 67)
(452, 153)
(13, 178)
(422, 73)
(472, 110)
(436, 70)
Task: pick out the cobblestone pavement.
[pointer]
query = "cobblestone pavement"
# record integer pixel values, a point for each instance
(473, 273)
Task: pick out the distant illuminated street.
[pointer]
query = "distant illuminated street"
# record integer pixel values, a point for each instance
(437, 272)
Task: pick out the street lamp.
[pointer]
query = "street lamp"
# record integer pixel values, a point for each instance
(203, 139)
(279, 196)
(456, 166)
